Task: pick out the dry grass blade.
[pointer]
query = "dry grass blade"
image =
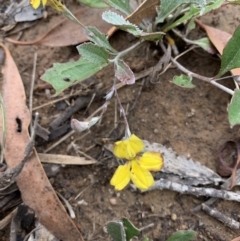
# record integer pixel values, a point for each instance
(33, 183)
(64, 159)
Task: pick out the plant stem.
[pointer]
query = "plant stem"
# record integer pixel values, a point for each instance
(197, 76)
(126, 51)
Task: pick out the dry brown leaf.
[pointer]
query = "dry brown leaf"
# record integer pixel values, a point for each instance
(236, 239)
(33, 183)
(64, 159)
(66, 32)
(146, 9)
(219, 39)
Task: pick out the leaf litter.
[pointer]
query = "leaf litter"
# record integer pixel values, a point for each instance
(66, 32)
(175, 154)
(33, 183)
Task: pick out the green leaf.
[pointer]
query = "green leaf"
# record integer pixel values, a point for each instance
(61, 76)
(194, 11)
(152, 36)
(184, 81)
(130, 230)
(121, 5)
(120, 22)
(98, 38)
(124, 73)
(205, 44)
(184, 235)
(168, 6)
(93, 53)
(94, 3)
(231, 54)
(234, 109)
(116, 231)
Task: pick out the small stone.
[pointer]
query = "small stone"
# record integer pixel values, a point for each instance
(113, 201)
(174, 216)
(155, 131)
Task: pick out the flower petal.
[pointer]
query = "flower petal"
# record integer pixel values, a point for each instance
(35, 3)
(44, 2)
(128, 148)
(141, 177)
(56, 4)
(152, 161)
(121, 177)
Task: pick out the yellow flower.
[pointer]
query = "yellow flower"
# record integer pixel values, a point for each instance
(36, 3)
(56, 4)
(128, 149)
(137, 168)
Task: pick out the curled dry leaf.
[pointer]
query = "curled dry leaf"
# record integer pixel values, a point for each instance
(219, 39)
(33, 183)
(66, 32)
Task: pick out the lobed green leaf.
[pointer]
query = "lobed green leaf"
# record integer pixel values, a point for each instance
(184, 81)
(121, 5)
(116, 231)
(231, 54)
(63, 75)
(168, 6)
(93, 53)
(120, 22)
(234, 109)
(98, 38)
(130, 230)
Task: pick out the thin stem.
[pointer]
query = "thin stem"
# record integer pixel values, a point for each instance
(190, 73)
(126, 51)
(122, 111)
(32, 83)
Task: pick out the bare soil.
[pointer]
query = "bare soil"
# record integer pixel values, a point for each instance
(191, 121)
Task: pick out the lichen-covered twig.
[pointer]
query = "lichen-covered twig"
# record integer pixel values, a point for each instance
(225, 186)
(196, 191)
(231, 223)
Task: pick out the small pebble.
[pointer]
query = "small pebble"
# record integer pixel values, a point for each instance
(174, 217)
(155, 131)
(113, 201)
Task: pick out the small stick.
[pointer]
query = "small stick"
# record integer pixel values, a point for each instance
(229, 222)
(196, 191)
(138, 95)
(224, 186)
(32, 83)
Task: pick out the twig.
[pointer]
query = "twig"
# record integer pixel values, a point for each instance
(197, 76)
(69, 207)
(229, 222)
(138, 95)
(196, 191)
(32, 83)
(225, 185)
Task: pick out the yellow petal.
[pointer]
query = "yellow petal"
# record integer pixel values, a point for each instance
(141, 177)
(35, 3)
(121, 177)
(44, 2)
(128, 148)
(56, 4)
(152, 161)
